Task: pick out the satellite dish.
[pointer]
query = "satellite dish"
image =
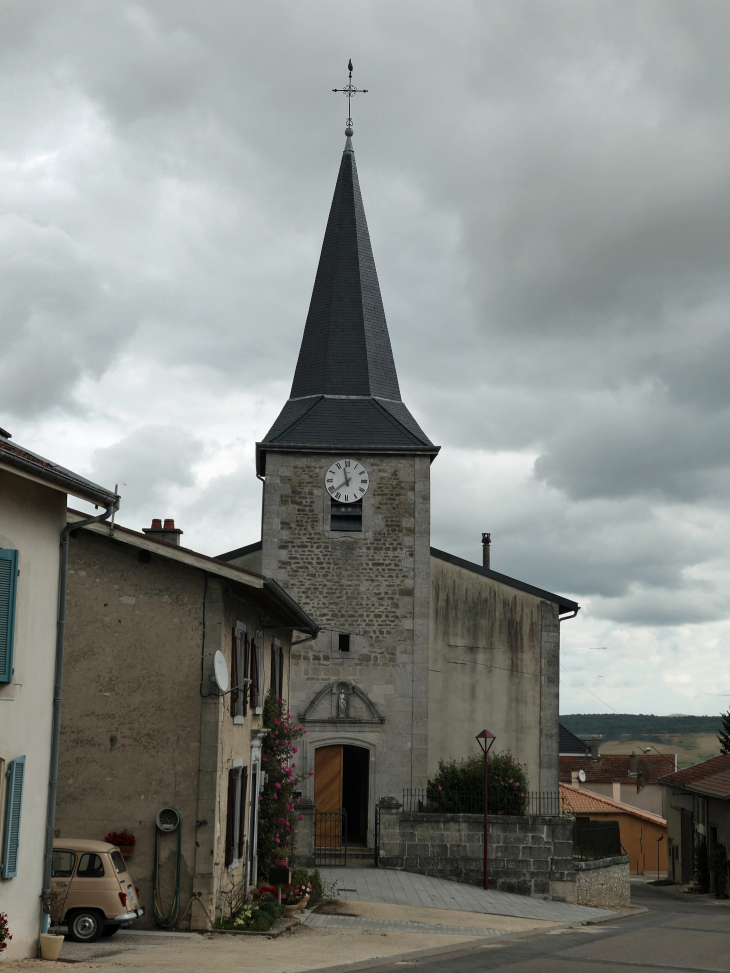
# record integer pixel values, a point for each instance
(221, 671)
(582, 776)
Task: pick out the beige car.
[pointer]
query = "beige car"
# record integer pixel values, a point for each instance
(98, 892)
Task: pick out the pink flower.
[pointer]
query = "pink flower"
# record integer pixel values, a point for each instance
(277, 784)
(301, 817)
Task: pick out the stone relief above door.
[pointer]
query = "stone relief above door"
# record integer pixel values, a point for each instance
(342, 702)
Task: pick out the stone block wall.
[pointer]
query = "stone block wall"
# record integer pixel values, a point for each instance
(528, 855)
(604, 884)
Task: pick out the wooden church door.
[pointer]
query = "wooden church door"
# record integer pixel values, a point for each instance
(328, 778)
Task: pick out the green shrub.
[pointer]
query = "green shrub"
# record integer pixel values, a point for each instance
(459, 787)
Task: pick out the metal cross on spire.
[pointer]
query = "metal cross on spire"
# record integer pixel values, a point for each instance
(350, 90)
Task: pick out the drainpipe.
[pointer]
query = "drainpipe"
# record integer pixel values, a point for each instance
(56, 726)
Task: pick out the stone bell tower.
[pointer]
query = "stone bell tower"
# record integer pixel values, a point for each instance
(346, 530)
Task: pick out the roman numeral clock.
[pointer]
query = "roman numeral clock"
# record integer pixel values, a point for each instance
(347, 481)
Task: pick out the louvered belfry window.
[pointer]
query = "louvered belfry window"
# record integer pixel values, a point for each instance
(8, 587)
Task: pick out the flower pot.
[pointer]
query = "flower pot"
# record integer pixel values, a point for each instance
(50, 945)
(303, 903)
(281, 862)
(290, 910)
(126, 850)
(3, 954)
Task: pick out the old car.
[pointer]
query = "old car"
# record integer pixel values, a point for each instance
(95, 894)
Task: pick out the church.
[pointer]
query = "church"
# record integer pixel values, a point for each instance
(418, 650)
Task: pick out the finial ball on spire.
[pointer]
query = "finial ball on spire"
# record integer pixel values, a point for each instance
(348, 131)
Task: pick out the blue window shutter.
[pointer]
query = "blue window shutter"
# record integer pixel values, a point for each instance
(8, 587)
(16, 776)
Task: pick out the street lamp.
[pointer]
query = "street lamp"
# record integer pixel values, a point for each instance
(485, 739)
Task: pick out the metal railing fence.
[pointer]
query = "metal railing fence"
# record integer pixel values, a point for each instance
(434, 800)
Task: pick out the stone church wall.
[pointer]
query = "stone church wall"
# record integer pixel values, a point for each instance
(373, 585)
(493, 664)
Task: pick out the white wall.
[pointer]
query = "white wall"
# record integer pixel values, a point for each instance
(32, 517)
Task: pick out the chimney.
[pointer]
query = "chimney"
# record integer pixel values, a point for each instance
(157, 532)
(594, 747)
(486, 544)
(575, 779)
(633, 764)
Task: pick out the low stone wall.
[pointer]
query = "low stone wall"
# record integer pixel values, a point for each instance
(604, 884)
(528, 855)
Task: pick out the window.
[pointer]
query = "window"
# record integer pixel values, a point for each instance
(255, 689)
(236, 813)
(90, 866)
(13, 808)
(118, 862)
(8, 586)
(344, 641)
(63, 864)
(346, 516)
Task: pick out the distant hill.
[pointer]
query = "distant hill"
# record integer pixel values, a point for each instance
(638, 726)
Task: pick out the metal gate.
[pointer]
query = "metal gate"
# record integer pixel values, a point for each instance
(330, 837)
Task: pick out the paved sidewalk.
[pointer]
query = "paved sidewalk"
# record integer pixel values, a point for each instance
(316, 921)
(407, 888)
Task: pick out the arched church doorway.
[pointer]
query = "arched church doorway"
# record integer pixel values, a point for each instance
(341, 780)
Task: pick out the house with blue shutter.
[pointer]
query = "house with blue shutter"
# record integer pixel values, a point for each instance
(33, 546)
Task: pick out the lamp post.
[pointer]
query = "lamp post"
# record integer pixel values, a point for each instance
(485, 739)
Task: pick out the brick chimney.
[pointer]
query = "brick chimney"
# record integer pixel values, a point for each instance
(169, 532)
(486, 545)
(594, 747)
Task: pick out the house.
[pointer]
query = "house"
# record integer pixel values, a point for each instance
(419, 650)
(698, 817)
(570, 745)
(145, 727)
(643, 835)
(625, 778)
(33, 497)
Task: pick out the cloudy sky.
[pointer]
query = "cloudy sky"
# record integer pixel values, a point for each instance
(548, 193)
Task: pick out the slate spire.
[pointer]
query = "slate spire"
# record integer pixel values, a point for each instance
(345, 393)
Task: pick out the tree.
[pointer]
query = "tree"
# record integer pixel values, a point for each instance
(724, 735)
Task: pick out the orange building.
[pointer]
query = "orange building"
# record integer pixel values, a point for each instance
(643, 835)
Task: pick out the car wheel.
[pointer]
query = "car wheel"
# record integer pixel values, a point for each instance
(110, 930)
(85, 926)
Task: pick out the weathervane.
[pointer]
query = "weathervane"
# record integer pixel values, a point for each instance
(350, 90)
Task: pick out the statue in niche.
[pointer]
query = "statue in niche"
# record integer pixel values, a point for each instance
(342, 704)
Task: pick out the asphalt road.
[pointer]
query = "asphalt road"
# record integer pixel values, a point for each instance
(679, 933)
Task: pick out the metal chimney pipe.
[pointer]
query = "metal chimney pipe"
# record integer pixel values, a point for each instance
(486, 545)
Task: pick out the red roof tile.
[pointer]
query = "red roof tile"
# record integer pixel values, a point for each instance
(579, 801)
(711, 777)
(616, 766)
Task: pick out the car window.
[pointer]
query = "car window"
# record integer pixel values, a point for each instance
(63, 864)
(118, 862)
(90, 866)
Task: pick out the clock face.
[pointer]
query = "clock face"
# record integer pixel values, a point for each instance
(346, 481)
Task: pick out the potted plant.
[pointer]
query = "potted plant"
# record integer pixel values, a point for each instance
(52, 941)
(124, 840)
(290, 897)
(5, 936)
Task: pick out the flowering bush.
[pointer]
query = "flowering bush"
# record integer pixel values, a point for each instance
(5, 936)
(119, 838)
(459, 787)
(277, 804)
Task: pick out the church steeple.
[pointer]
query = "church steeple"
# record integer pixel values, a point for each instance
(345, 393)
